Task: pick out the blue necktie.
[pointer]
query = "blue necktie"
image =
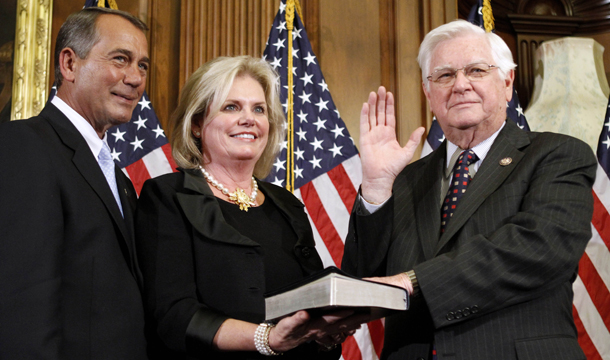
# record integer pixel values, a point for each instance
(107, 166)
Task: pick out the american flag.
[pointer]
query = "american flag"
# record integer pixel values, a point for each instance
(327, 170)
(591, 306)
(513, 111)
(139, 147)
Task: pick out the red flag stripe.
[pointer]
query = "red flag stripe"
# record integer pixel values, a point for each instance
(344, 186)
(584, 340)
(138, 174)
(601, 220)
(320, 218)
(595, 287)
(350, 350)
(376, 329)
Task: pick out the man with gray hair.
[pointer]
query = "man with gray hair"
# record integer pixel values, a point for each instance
(69, 277)
(486, 232)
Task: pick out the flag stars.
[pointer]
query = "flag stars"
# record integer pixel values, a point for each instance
(607, 142)
(137, 144)
(118, 135)
(320, 124)
(317, 144)
(281, 26)
(279, 44)
(283, 145)
(338, 131)
(519, 110)
(295, 53)
(296, 33)
(279, 164)
(144, 104)
(315, 162)
(322, 105)
(323, 85)
(282, 7)
(302, 134)
(278, 182)
(338, 115)
(298, 172)
(307, 79)
(158, 131)
(302, 116)
(299, 154)
(607, 124)
(336, 150)
(115, 155)
(276, 63)
(310, 58)
(305, 97)
(140, 122)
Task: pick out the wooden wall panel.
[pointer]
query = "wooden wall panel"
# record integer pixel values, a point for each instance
(212, 28)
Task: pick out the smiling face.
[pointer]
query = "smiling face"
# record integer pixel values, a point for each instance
(239, 130)
(106, 86)
(468, 112)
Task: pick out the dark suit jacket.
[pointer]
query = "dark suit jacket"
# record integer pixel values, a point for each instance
(199, 271)
(498, 283)
(68, 271)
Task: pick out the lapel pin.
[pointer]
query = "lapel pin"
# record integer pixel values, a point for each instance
(506, 161)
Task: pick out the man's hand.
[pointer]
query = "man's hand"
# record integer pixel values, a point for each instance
(381, 155)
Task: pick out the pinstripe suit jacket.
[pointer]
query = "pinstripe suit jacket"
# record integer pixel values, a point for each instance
(498, 283)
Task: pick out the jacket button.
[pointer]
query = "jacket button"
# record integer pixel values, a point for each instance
(450, 316)
(466, 311)
(458, 314)
(420, 358)
(306, 252)
(475, 309)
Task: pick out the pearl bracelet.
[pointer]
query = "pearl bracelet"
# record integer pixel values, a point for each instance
(261, 339)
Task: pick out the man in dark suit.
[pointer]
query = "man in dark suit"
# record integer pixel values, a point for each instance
(490, 276)
(69, 278)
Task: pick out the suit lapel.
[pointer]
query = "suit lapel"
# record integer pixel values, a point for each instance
(85, 163)
(426, 196)
(490, 176)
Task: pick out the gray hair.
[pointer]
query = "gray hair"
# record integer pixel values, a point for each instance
(500, 52)
(80, 34)
(203, 95)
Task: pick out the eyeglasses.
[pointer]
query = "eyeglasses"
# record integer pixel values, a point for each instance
(473, 72)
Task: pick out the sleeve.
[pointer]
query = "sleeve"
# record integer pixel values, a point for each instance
(164, 243)
(531, 252)
(31, 245)
(368, 239)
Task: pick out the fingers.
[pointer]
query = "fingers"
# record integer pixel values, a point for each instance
(414, 140)
(381, 106)
(372, 104)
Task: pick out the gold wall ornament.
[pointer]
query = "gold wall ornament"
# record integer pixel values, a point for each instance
(31, 58)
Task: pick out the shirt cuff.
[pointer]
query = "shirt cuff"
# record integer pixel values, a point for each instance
(370, 208)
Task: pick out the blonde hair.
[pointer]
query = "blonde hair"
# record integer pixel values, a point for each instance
(204, 93)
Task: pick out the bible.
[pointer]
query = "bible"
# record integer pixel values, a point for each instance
(331, 290)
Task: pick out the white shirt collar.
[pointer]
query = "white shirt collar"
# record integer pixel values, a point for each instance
(481, 149)
(83, 127)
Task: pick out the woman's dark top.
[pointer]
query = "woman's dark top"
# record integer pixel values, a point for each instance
(204, 261)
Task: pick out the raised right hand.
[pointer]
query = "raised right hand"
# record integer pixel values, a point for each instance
(381, 155)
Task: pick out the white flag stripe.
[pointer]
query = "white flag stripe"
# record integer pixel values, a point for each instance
(124, 170)
(601, 187)
(156, 163)
(353, 168)
(599, 255)
(363, 339)
(333, 204)
(427, 149)
(321, 248)
(591, 320)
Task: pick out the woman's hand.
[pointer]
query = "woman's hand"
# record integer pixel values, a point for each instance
(381, 155)
(330, 329)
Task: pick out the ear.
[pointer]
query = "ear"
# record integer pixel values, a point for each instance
(509, 81)
(427, 93)
(67, 64)
(197, 123)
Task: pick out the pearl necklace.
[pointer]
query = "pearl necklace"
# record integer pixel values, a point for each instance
(239, 196)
